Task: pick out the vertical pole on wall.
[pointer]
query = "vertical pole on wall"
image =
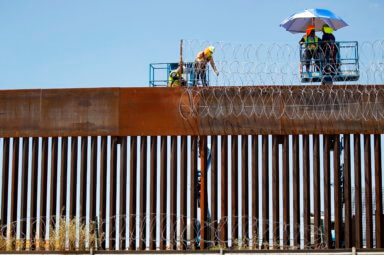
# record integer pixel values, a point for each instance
(181, 56)
(4, 187)
(316, 190)
(183, 193)
(224, 191)
(93, 184)
(337, 192)
(327, 192)
(368, 191)
(275, 192)
(43, 193)
(234, 190)
(153, 193)
(203, 192)
(306, 192)
(265, 194)
(163, 192)
(173, 190)
(53, 181)
(112, 194)
(133, 194)
(214, 178)
(244, 191)
(347, 192)
(358, 199)
(296, 190)
(33, 198)
(378, 190)
(24, 192)
(143, 194)
(255, 191)
(14, 190)
(83, 178)
(193, 193)
(286, 191)
(103, 190)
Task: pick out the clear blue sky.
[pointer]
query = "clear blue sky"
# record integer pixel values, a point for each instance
(88, 43)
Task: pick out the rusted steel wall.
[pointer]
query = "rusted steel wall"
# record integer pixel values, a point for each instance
(166, 111)
(141, 177)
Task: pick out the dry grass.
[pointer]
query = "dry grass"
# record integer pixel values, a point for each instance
(68, 236)
(3, 243)
(8, 243)
(65, 235)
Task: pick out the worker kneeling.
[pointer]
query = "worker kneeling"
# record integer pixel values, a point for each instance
(176, 78)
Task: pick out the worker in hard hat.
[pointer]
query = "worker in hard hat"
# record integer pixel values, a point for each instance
(311, 42)
(329, 50)
(176, 78)
(200, 66)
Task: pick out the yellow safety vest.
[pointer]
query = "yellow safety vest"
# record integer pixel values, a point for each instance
(311, 42)
(174, 79)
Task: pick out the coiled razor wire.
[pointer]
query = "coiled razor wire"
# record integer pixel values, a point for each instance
(79, 235)
(278, 63)
(274, 68)
(273, 102)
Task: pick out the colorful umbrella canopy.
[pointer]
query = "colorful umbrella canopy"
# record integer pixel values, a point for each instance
(298, 22)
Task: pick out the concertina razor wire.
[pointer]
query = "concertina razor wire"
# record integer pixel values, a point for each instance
(75, 234)
(260, 80)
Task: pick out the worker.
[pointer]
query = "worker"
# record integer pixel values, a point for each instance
(176, 78)
(200, 65)
(329, 50)
(311, 51)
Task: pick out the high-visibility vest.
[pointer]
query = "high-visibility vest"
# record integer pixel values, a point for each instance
(311, 42)
(174, 79)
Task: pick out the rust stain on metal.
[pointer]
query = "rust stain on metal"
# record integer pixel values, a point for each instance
(152, 112)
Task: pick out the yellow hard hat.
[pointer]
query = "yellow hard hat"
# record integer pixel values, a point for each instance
(209, 51)
(327, 29)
